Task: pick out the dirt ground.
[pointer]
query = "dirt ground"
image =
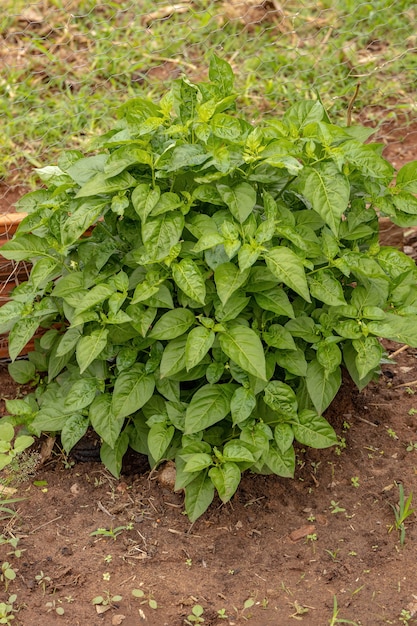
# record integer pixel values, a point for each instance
(319, 549)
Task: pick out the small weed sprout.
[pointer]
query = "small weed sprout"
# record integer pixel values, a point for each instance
(221, 614)
(405, 616)
(7, 610)
(7, 574)
(412, 411)
(412, 446)
(402, 511)
(42, 580)
(107, 600)
(391, 433)
(355, 481)
(338, 620)
(196, 616)
(111, 532)
(335, 508)
(146, 599)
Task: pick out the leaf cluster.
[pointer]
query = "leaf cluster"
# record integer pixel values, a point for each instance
(230, 272)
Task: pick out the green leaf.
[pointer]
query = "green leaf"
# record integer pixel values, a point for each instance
(225, 126)
(313, 430)
(281, 398)
(80, 219)
(279, 337)
(242, 404)
(304, 112)
(407, 177)
(17, 407)
(237, 452)
(73, 430)
(326, 288)
(233, 307)
(322, 385)
(199, 342)
(240, 199)
(10, 312)
(221, 74)
(198, 462)
(397, 328)
(226, 479)
(369, 355)
(173, 324)
(68, 341)
(103, 419)
(275, 300)
(112, 457)
(80, 395)
(99, 184)
(90, 347)
(144, 199)
(132, 389)
(284, 436)
(199, 495)
(20, 334)
(293, 361)
(93, 297)
(244, 347)
(159, 438)
(280, 463)
(124, 157)
(209, 405)
(160, 234)
(189, 279)
(228, 279)
(43, 271)
(327, 190)
(349, 358)
(49, 419)
(329, 355)
(25, 248)
(173, 357)
(289, 269)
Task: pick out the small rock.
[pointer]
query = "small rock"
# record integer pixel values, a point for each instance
(75, 489)
(166, 476)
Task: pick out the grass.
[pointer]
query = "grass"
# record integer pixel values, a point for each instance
(68, 64)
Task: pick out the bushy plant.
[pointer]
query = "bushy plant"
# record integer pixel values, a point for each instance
(230, 273)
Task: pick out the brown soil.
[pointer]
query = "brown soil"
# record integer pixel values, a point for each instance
(281, 551)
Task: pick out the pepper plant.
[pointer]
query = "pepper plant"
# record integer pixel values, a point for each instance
(230, 272)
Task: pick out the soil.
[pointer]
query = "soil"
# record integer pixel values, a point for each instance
(281, 550)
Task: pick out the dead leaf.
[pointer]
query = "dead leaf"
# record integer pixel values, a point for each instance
(100, 608)
(303, 531)
(116, 620)
(75, 489)
(46, 450)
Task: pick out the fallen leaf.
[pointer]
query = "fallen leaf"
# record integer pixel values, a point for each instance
(100, 608)
(116, 620)
(302, 532)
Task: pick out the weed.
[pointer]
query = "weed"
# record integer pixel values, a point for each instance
(335, 508)
(410, 391)
(221, 614)
(402, 510)
(111, 532)
(391, 433)
(147, 598)
(405, 616)
(412, 411)
(7, 574)
(42, 580)
(412, 446)
(53, 606)
(332, 554)
(107, 600)
(7, 610)
(355, 481)
(196, 615)
(341, 445)
(338, 620)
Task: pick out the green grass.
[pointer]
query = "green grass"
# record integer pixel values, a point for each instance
(65, 73)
